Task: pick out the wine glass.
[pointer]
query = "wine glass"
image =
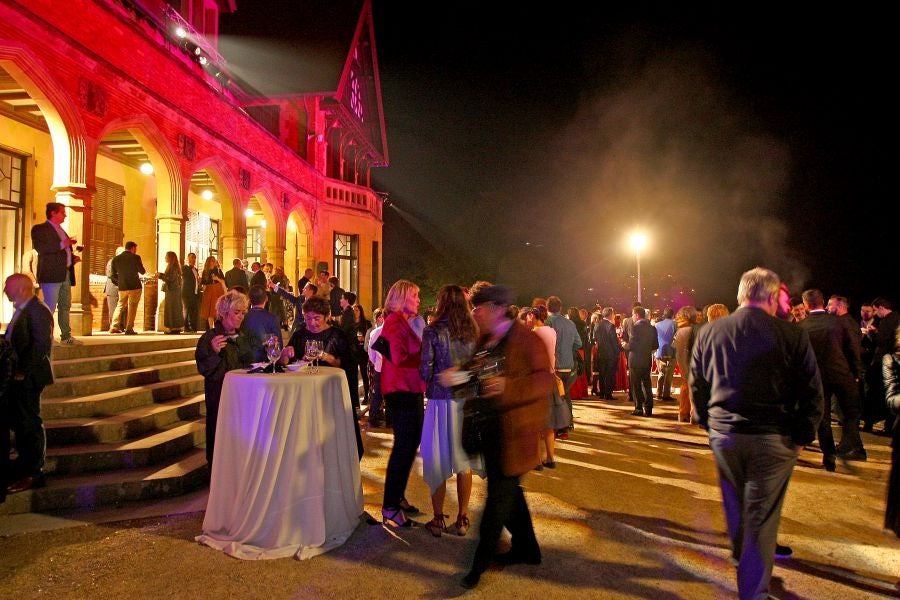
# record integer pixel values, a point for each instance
(311, 354)
(320, 350)
(273, 350)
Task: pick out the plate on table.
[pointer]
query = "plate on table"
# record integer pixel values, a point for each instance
(296, 366)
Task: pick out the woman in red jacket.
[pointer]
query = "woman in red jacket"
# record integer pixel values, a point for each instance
(403, 390)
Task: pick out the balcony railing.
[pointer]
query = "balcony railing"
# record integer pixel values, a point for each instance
(356, 197)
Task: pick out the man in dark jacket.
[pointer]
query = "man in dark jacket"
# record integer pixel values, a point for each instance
(640, 346)
(260, 323)
(756, 387)
(190, 293)
(608, 350)
(30, 333)
(836, 347)
(126, 270)
(56, 266)
(236, 276)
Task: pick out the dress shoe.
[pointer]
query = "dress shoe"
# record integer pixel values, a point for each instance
(648, 413)
(830, 463)
(855, 454)
(115, 330)
(783, 551)
(29, 482)
(70, 341)
(471, 580)
(637, 413)
(514, 557)
(550, 464)
(130, 332)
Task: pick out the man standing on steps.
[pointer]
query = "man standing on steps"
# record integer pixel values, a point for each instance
(56, 266)
(126, 270)
(30, 333)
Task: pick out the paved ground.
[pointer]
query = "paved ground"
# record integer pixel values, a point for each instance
(632, 511)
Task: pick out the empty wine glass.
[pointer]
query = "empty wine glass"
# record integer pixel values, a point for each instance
(320, 350)
(273, 350)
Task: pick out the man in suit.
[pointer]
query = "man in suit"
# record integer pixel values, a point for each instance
(236, 277)
(258, 277)
(608, 350)
(627, 326)
(190, 293)
(260, 323)
(126, 270)
(836, 347)
(756, 388)
(515, 409)
(883, 337)
(307, 278)
(640, 346)
(30, 333)
(334, 297)
(56, 266)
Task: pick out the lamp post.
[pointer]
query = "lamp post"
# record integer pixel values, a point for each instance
(638, 241)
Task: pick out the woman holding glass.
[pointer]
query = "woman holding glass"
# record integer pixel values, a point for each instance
(447, 344)
(173, 313)
(403, 389)
(335, 348)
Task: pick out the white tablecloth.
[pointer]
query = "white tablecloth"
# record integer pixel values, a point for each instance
(285, 478)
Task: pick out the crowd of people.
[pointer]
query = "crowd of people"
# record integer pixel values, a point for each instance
(482, 386)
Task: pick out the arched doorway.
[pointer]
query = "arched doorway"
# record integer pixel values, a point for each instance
(298, 245)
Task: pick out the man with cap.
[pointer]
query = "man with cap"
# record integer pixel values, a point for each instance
(515, 406)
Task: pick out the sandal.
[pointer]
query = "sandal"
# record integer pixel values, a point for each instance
(407, 507)
(462, 525)
(395, 517)
(437, 525)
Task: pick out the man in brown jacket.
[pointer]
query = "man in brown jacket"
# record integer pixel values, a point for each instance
(515, 403)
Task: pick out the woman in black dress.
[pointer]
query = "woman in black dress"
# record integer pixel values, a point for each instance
(173, 315)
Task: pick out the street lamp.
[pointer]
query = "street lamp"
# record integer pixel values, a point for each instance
(638, 241)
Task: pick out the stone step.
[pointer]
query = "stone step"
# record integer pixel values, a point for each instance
(178, 476)
(116, 401)
(95, 383)
(106, 345)
(153, 448)
(124, 425)
(120, 362)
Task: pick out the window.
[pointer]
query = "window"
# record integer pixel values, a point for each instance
(201, 236)
(12, 196)
(107, 217)
(346, 261)
(255, 240)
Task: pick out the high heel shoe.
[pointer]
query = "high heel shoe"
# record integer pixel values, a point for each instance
(462, 525)
(395, 517)
(437, 525)
(408, 508)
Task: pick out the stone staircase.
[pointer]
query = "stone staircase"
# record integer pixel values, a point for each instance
(124, 421)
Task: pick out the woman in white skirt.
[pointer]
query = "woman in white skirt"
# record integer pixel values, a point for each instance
(446, 345)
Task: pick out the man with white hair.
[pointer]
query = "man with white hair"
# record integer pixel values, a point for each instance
(757, 390)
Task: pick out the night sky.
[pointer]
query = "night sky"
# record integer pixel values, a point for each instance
(526, 145)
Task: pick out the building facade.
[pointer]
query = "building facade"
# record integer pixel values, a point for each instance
(126, 112)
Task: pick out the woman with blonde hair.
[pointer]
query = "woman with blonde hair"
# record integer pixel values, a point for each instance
(447, 344)
(403, 389)
(716, 311)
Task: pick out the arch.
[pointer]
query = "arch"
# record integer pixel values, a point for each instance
(275, 224)
(229, 193)
(166, 168)
(298, 254)
(67, 132)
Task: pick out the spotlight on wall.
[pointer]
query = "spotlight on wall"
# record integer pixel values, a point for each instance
(248, 213)
(181, 32)
(262, 223)
(203, 60)
(206, 194)
(146, 168)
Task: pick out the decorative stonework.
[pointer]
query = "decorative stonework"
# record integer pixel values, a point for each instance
(92, 97)
(245, 179)
(186, 146)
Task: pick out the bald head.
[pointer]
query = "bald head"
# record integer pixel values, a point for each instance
(18, 288)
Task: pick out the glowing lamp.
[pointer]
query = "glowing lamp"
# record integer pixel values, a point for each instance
(206, 194)
(146, 168)
(248, 213)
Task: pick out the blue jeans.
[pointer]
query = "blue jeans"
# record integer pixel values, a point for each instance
(58, 297)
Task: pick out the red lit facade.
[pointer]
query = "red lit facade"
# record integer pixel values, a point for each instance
(91, 90)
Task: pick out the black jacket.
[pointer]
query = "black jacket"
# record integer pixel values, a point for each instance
(836, 348)
(125, 269)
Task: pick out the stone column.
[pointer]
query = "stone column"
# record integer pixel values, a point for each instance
(233, 246)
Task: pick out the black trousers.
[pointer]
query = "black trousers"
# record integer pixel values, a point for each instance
(641, 388)
(606, 371)
(23, 408)
(191, 311)
(847, 395)
(505, 507)
(408, 412)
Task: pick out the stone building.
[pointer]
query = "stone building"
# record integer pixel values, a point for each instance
(126, 111)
